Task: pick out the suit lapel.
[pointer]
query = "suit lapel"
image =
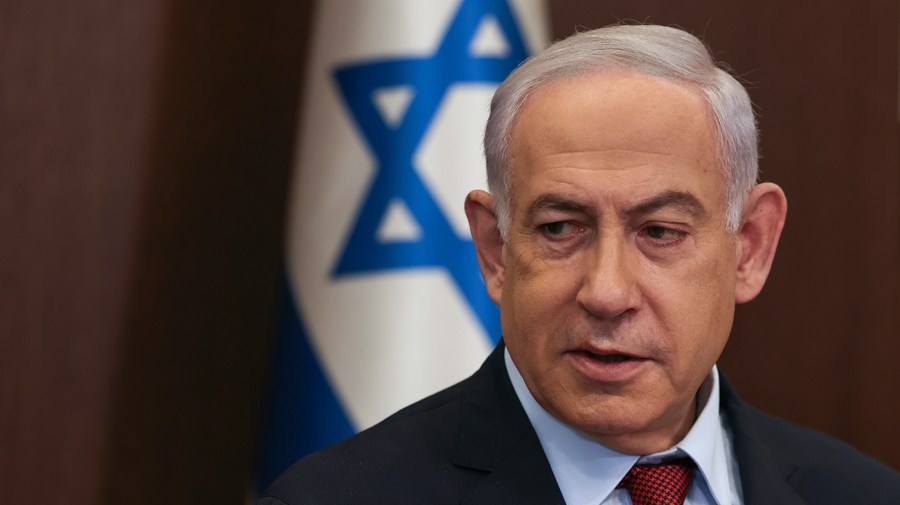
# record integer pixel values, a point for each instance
(766, 473)
(496, 437)
(523, 477)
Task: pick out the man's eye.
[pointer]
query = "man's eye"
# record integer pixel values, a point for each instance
(556, 228)
(663, 234)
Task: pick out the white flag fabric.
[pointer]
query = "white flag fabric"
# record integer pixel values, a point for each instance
(383, 300)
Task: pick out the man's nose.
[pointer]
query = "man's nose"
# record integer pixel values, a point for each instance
(609, 287)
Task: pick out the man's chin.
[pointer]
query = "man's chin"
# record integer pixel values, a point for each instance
(627, 426)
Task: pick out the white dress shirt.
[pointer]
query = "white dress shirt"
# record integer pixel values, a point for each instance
(587, 472)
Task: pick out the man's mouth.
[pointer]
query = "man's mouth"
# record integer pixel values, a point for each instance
(609, 358)
(608, 365)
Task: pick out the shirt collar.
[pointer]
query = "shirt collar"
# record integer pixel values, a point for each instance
(587, 471)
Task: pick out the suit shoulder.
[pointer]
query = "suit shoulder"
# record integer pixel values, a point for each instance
(383, 464)
(825, 469)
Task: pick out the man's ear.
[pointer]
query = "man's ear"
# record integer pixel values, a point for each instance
(763, 219)
(488, 242)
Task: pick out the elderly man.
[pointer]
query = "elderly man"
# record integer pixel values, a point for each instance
(624, 224)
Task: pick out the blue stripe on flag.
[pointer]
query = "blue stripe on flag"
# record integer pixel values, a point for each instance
(302, 413)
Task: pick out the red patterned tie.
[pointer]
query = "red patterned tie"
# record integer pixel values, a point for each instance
(663, 484)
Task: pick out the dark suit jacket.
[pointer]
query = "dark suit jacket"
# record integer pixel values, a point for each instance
(473, 444)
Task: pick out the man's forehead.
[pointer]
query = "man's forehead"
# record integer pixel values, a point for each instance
(603, 81)
(612, 111)
(582, 130)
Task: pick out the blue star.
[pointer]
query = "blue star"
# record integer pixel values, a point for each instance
(394, 145)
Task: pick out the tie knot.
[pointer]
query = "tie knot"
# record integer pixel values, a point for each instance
(662, 484)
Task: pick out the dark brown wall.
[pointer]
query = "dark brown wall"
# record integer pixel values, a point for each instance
(144, 153)
(203, 286)
(77, 100)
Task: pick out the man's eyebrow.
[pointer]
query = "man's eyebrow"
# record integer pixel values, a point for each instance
(554, 202)
(682, 200)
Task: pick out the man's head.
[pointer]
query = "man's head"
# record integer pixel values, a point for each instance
(621, 254)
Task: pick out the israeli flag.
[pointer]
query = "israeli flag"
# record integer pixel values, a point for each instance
(383, 300)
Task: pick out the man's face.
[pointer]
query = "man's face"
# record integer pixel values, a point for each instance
(619, 285)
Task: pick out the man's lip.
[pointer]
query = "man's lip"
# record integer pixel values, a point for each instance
(607, 365)
(608, 352)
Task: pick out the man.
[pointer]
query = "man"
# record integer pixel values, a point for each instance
(624, 224)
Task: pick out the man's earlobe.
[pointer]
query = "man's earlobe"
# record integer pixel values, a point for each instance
(765, 211)
(488, 241)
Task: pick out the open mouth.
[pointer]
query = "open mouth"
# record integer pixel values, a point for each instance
(608, 366)
(609, 358)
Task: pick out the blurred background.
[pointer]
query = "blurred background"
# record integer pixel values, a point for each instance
(145, 154)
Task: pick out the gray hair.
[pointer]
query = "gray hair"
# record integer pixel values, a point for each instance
(655, 50)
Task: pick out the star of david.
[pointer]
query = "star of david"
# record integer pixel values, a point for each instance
(394, 145)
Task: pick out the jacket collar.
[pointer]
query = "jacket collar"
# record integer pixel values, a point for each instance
(495, 436)
(766, 472)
